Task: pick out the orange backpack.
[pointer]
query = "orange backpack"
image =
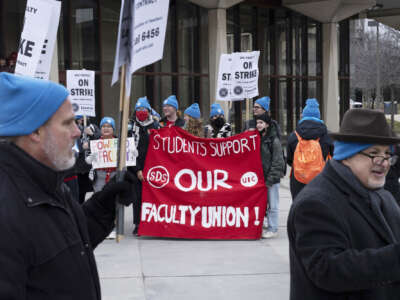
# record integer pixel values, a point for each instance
(308, 160)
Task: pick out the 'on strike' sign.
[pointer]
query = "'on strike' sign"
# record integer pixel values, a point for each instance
(203, 188)
(80, 84)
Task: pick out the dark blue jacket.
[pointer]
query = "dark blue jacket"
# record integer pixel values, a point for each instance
(308, 130)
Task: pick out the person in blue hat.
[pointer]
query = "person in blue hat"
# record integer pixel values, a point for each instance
(260, 106)
(102, 176)
(170, 110)
(141, 124)
(48, 238)
(218, 127)
(310, 127)
(193, 121)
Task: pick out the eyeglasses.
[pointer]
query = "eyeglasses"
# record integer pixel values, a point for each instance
(379, 159)
(257, 107)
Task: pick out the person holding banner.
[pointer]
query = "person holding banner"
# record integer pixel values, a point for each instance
(273, 166)
(140, 129)
(170, 110)
(218, 127)
(47, 238)
(193, 122)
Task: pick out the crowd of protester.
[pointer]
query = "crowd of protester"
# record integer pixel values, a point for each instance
(274, 160)
(342, 226)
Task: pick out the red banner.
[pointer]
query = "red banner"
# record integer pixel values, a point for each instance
(200, 188)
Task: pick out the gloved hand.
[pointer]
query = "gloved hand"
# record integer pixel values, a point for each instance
(118, 191)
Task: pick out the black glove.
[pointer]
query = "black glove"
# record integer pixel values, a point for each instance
(118, 191)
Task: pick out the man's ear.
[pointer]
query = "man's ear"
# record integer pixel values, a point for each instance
(36, 135)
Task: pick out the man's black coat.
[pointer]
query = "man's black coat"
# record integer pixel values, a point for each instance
(338, 247)
(47, 239)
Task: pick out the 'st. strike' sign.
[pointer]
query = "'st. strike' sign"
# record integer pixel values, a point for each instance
(203, 188)
(238, 76)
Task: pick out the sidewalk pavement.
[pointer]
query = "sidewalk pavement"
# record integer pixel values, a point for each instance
(141, 268)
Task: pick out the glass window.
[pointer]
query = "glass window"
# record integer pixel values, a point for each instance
(84, 35)
(312, 48)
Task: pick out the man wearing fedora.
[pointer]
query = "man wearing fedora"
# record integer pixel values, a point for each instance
(344, 228)
(47, 238)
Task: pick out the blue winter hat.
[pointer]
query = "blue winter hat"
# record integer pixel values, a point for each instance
(193, 111)
(27, 103)
(78, 117)
(215, 110)
(264, 102)
(155, 114)
(345, 150)
(142, 102)
(171, 100)
(312, 109)
(107, 120)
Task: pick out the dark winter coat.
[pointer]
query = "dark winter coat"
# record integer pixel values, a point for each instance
(308, 130)
(141, 132)
(338, 247)
(392, 178)
(271, 156)
(47, 239)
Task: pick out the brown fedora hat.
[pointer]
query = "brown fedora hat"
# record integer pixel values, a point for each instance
(362, 125)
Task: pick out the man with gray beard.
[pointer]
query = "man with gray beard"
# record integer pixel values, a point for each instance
(344, 228)
(46, 249)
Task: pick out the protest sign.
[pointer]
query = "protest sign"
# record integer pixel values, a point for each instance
(38, 36)
(140, 42)
(104, 153)
(238, 76)
(80, 84)
(141, 36)
(200, 188)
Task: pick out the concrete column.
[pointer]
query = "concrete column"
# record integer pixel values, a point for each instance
(54, 65)
(217, 42)
(330, 76)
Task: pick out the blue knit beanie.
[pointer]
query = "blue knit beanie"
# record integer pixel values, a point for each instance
(155, 114)
(215, 110)
(193, 111)
(107, 120)
(264, 102)
(78, 117)
(142, 103)
(345, 150)
(171, 100)
(27, 103)
(311, 109)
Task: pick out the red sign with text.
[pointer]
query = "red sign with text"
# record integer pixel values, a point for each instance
(198, 188)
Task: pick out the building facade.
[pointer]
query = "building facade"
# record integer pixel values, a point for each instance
(291, 54)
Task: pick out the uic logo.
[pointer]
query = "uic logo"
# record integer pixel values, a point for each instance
(158, 177)
(249, 179)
